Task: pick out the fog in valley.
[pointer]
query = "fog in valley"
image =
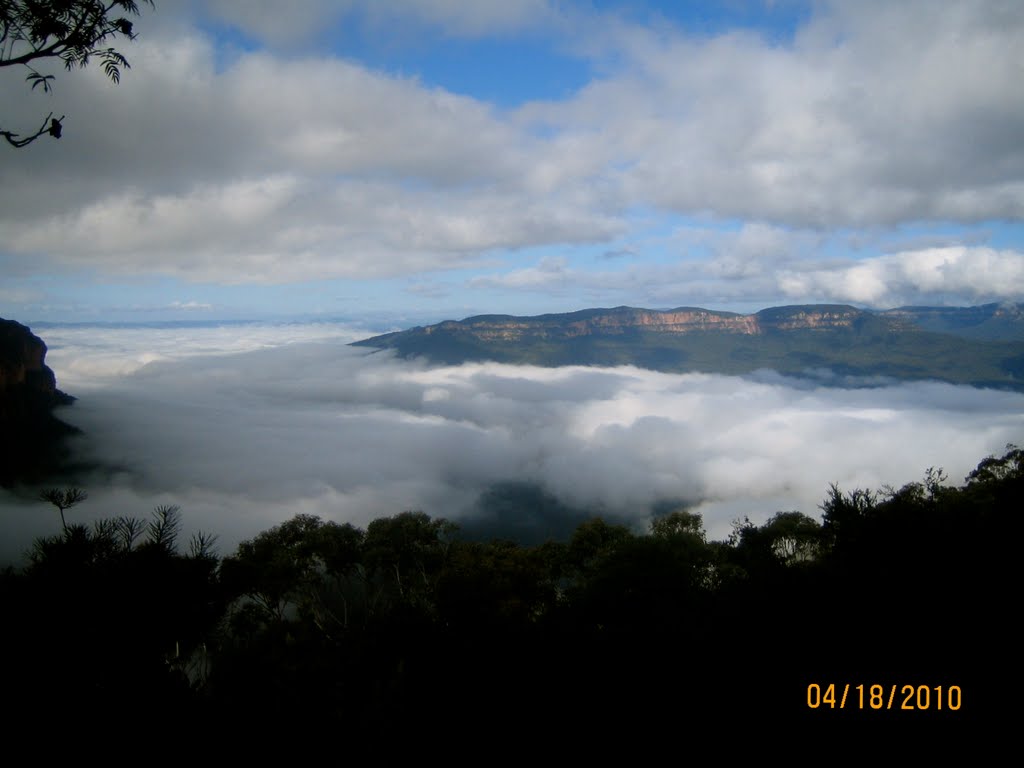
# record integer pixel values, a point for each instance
(245, 426)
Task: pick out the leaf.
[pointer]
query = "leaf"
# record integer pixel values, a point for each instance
(112, 63)
(37, 79)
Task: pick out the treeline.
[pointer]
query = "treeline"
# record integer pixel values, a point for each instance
(353, 636)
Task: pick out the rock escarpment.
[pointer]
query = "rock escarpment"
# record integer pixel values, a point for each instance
(618, 321)
(30, 434)
(626, 320)
(981, 346)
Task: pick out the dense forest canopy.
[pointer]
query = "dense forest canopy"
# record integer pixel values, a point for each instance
(406, 625)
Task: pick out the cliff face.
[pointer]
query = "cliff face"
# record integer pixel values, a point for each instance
(623, 320)
(988, 322)
(613, 322)
(905, 344)
(22, 363)
(30, 434)
(822, 317)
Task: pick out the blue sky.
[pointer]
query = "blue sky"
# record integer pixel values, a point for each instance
(406, 161)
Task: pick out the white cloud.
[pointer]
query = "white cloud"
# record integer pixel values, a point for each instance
(972, 274)
(273, 167)
(286, 229)
(279, 171)
(880, 113)
(90, 357)
(550, 273)
(243, 441)
(760, 261)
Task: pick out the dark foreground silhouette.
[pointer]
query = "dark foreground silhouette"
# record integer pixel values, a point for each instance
(891, 611)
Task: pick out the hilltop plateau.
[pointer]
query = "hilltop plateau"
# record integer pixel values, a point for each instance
(980, 346)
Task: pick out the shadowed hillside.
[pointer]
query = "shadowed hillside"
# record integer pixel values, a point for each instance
(30, 433)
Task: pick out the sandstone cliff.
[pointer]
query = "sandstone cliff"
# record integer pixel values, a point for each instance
(982, 346)
(616, 321)
(623, 320)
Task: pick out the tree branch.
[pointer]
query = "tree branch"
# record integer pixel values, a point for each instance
(51, 125)
(69, 30)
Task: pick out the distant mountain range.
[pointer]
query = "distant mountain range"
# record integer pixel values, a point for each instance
(981, 346)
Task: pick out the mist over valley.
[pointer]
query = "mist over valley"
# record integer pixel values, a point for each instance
(244, 426)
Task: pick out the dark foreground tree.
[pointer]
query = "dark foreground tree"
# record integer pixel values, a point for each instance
(63, 499)
(73, 31)
(108, 623)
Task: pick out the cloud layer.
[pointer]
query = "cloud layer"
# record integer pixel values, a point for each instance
(243, 441)
(219, 164)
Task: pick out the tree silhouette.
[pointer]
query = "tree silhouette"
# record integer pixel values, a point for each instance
(164, 527)
(63, 499)
(73, 31)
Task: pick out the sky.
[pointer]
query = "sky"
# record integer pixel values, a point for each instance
(408, 161)
(262, 188)
(245, 426)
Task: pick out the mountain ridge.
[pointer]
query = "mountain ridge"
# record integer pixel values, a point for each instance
(982, 346)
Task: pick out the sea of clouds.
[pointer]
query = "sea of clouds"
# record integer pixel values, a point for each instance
(244, 426)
